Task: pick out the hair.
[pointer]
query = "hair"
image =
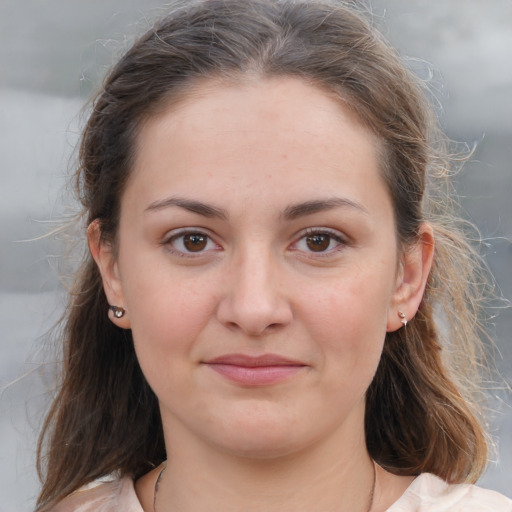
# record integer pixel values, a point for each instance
(421, 415)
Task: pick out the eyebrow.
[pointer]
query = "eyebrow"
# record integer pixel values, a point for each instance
(310, 207)
(206, 210)
(291, 212)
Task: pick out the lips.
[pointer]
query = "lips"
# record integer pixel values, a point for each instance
(255, 371)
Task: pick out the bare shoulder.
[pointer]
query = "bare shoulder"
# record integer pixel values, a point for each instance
(102, 496)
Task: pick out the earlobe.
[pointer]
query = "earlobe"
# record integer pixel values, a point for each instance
(412, 280)
(103, 254)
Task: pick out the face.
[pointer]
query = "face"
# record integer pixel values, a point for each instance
(258, 265)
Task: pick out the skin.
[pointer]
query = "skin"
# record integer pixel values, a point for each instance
(296, 256)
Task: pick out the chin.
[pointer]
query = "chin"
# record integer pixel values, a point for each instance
(264, 438)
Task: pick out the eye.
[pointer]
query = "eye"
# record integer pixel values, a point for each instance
(320, 241)
(190, 242)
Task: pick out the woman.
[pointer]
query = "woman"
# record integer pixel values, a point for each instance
(256, 326)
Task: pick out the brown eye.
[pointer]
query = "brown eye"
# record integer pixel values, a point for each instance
(191, 243)
(195, 242)
(318, 243)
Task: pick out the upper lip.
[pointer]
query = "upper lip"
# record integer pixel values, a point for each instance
(254, 361)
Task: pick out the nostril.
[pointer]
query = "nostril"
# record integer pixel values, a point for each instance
(254, 331)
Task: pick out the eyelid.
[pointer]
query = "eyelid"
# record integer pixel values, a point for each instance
(327, 231)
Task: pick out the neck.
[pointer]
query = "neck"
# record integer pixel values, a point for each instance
(332, 475)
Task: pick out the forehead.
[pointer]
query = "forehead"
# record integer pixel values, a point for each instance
(238, 133)
(246, 101)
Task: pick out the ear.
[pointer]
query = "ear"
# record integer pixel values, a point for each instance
(105, 258)
(411, 279)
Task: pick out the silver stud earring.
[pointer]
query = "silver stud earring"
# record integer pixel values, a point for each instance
(117, 311)
(402, 318)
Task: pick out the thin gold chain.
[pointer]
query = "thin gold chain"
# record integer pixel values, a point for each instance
(372, 493)
(157, 484)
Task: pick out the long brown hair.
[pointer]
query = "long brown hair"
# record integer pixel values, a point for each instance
(419, 415)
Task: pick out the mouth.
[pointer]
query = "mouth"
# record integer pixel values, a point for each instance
(255, 371)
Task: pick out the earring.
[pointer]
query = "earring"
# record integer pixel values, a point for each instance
(403, 318)
(117, 311)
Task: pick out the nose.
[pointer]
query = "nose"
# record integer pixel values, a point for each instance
(254, 299)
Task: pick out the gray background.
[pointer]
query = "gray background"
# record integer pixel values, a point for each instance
(53, 54)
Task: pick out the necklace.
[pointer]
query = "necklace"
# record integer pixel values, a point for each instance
(157, 484)
(370, 497)
(372, 492)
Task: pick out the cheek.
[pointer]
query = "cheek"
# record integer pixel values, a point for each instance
(348, 319)
(353, 304)
(166, 320)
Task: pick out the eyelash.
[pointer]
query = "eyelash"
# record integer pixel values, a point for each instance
(333, 235)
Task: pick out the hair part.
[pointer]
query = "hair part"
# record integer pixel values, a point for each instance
(105, 418)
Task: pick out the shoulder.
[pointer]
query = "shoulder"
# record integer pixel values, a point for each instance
(102, 496)
(428, 493)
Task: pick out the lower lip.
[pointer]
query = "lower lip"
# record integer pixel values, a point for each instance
(256, 376)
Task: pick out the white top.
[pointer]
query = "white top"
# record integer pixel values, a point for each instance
(427, 493)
